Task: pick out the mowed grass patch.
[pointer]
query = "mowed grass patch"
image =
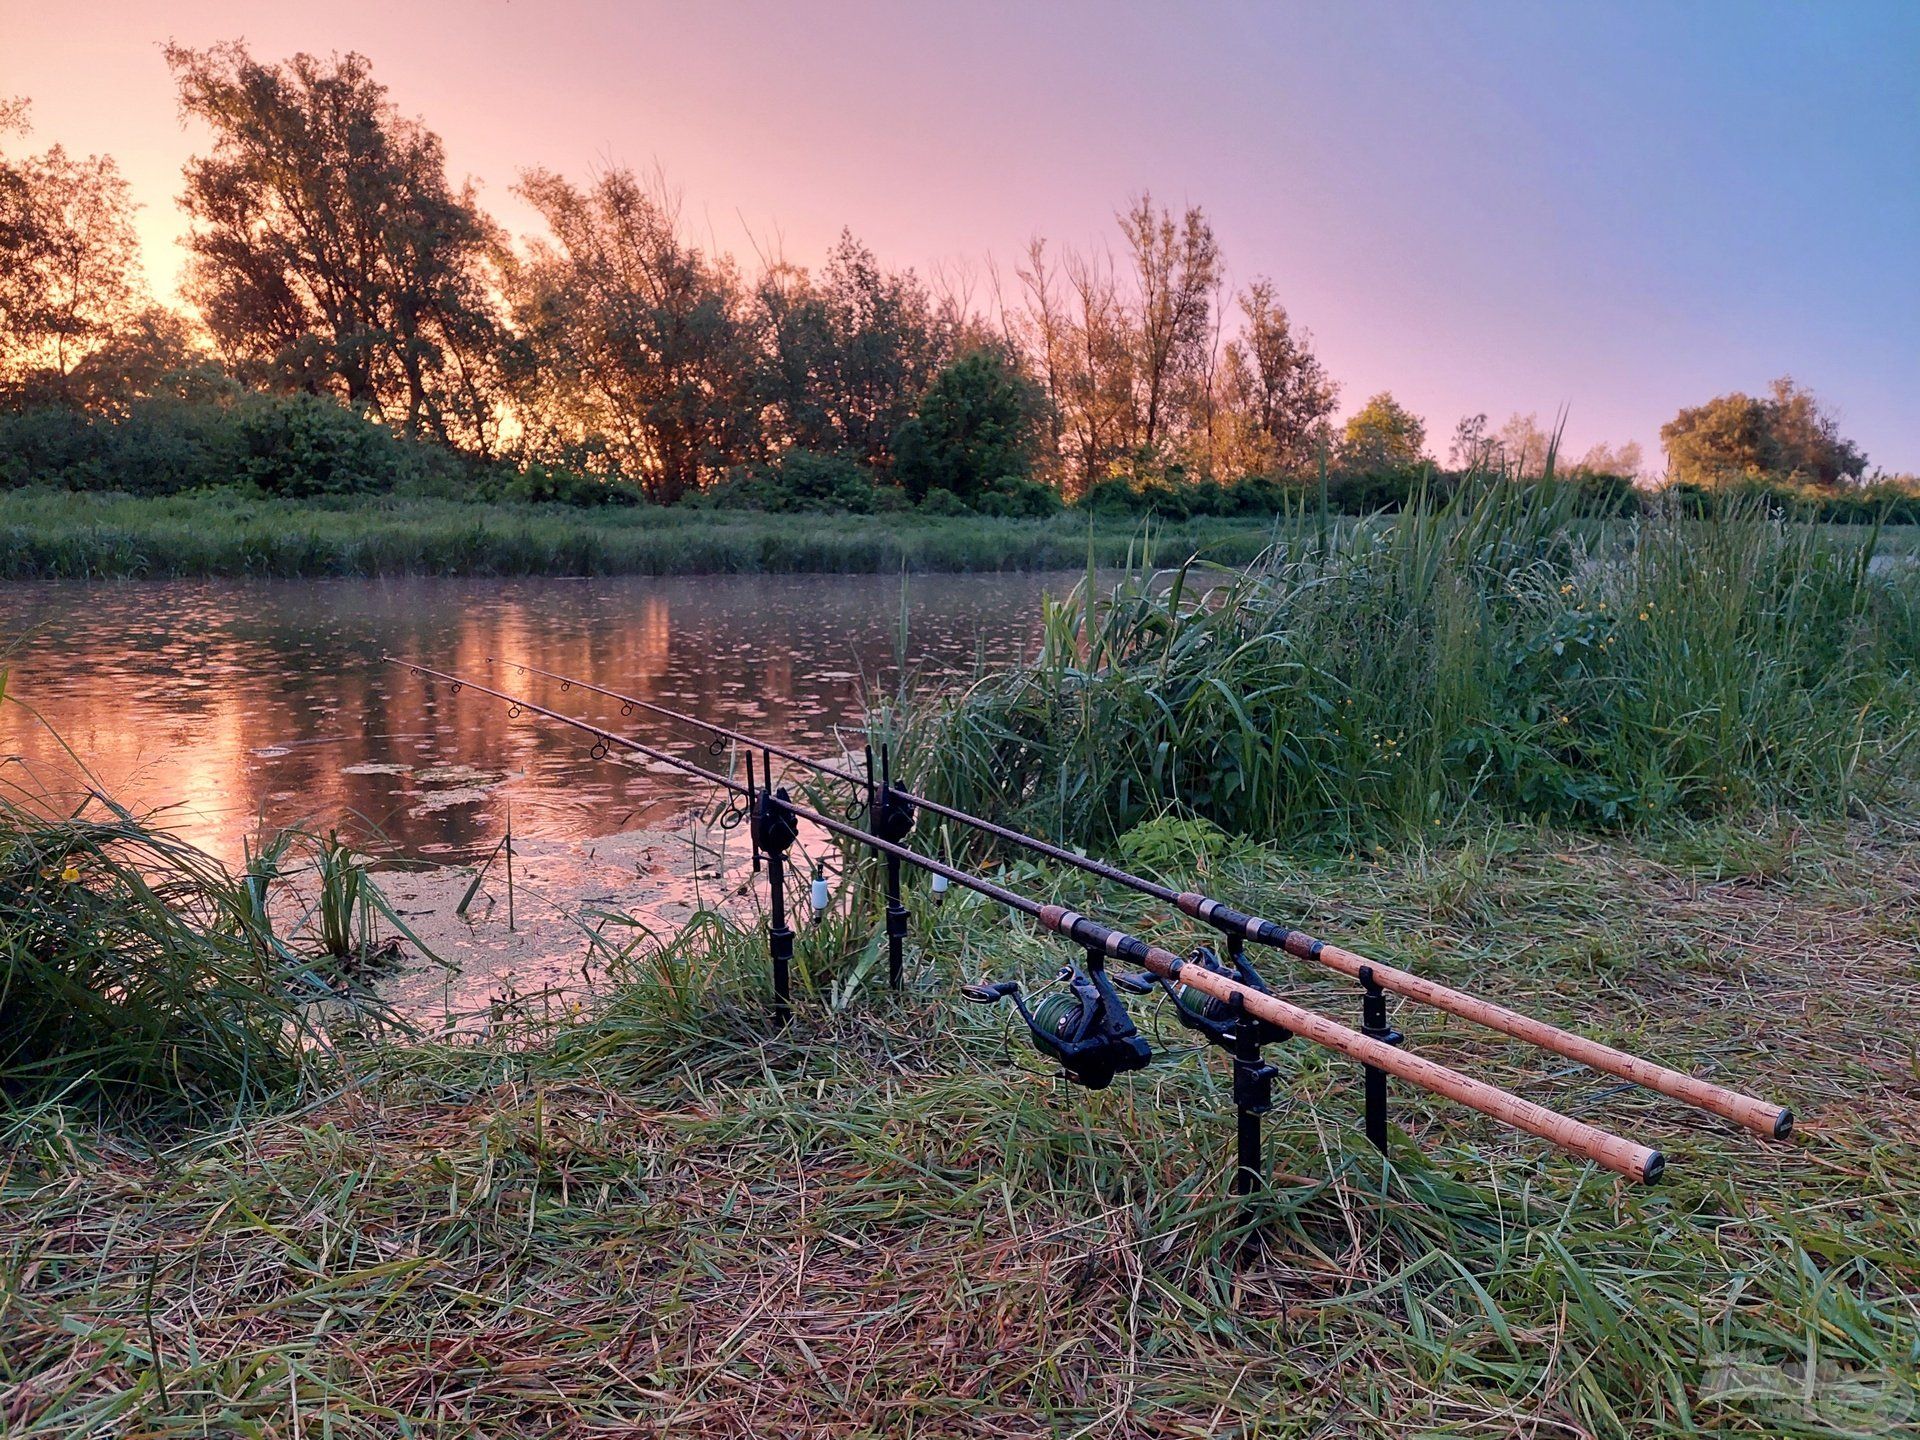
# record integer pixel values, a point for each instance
(888, 1221)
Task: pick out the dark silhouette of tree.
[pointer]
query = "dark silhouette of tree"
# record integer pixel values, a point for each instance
(847, 353)
(329, 252)
(634, 345)
(1176, 270)
(69, 266)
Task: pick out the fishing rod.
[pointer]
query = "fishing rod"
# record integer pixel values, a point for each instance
(1096, 1044)
(1760, 1116)
(890, 809)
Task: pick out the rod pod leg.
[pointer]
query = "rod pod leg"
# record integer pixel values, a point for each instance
(1373, 1024)
(891, 815)
(1252, 1097)
(779, 937)
(896, 925)
(775, 828)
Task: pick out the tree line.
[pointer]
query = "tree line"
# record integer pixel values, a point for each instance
(331, 259)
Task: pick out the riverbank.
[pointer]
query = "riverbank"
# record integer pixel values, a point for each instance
(663, 1216)
(48, 534)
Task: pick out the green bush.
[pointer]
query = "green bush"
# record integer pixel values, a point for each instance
(943, 502)
(541, 484)
(1886, 502)
(290, 445)
(161, 447)
(1017, 497)
(305, 445)
(801, 480)
(977, 426)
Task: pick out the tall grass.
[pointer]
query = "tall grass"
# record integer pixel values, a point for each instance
(141, 980)
(136, 976)
(50, 534)
(1495, 656)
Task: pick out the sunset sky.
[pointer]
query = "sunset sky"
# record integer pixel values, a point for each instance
(1617, 208)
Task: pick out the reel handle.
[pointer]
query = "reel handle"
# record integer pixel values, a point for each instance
(989, 992)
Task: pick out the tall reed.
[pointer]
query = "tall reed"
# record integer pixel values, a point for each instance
(1499, 655)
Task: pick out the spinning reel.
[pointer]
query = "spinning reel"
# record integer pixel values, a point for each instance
(1224, 1023)
(1084, 1028)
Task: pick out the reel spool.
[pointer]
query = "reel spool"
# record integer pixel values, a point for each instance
(1225, 1023)
(1083, 1028)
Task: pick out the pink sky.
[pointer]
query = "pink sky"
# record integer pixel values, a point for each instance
(1504, 208)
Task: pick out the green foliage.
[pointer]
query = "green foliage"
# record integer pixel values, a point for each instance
(977, 425)
(1495, 655)
(305, 445)
(537, 483)
(289, 445)
(136, 975)
(1346, 493)
(1786, 435)
(801, 480)
(1187, 845)
(1382, 436)
(1017, 497)
(943, 503)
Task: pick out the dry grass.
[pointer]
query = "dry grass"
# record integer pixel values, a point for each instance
(652, 1222)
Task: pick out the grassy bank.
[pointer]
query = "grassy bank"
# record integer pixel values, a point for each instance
(656, 1220)
(1686, 825)
(57, 534)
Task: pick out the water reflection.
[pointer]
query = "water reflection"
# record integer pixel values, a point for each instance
(236, 704)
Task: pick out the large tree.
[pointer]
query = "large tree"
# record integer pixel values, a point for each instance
(978, 424)
(1176, 270)
(1785, 434)
(847, 353)
(329, 251)
(635, 347)
(69, 265)
(1382, 435)
(1125, 350)
(1277, 395)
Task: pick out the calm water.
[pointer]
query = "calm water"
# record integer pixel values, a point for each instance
(242, 704)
